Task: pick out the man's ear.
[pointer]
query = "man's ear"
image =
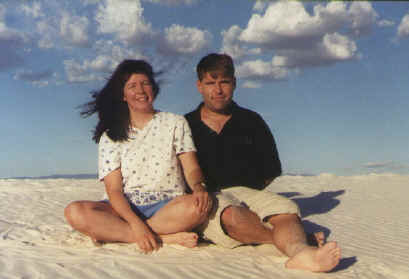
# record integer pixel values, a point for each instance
(199, 86)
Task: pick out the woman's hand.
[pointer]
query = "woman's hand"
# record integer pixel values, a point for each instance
(146, 240)
(203, 200)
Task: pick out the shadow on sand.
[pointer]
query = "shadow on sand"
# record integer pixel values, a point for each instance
(318, 204)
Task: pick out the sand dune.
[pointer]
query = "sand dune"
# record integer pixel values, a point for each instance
(367, 215)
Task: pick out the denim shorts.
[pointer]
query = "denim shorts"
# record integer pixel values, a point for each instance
(146, 211)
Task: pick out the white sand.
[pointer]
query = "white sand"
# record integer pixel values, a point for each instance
(367, 215)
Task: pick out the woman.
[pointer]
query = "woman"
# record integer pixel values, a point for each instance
(145, 157)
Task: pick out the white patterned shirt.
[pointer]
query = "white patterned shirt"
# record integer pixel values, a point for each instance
(148, 160)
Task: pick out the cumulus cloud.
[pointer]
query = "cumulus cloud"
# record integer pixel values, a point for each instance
(233, 46)
(109, 56)
(251, 84)
(261, 70)
(288, 24)
(296, 38)
(39, 79)
(11, 43)
(403, 28)
(34, 10)
(260, 5)
(180, 40)
(386, 23)
(27, 75)
(124, 19)
(74, 30)
(47, 33)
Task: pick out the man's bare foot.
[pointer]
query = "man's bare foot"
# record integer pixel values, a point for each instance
(314, 259)
(186, 239)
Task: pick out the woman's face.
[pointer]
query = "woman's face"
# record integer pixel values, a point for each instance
(138, 93)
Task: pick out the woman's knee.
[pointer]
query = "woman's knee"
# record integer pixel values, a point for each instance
(192, 210)
(75, 214)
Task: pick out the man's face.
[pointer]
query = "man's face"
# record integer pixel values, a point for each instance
(217, 91)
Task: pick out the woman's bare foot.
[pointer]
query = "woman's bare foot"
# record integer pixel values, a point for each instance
(97, 243)
(186, 239)
(316, 239)
(320, 259)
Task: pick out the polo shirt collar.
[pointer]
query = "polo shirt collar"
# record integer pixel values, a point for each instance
(234, 108)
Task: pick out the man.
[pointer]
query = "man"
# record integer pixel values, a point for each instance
(236, 148)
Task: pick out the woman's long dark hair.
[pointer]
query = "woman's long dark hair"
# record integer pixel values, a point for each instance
(113, 113)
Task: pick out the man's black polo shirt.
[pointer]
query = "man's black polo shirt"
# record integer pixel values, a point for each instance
(243, 154)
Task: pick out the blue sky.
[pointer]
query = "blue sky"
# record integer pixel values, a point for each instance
(330, 79)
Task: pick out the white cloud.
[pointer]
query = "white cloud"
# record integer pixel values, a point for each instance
(251, 84)
(296, 38)
(173, 2)
(47, 33)
(232, 46)
(74, 30)
(260, 5)
(403, 28)
(109, 56)
(38, 79)
(386, 23)
(34, 10)
(180, 40)
(11, 43)
(333, 48)
(261, 70)
(124, 19)
(363, 17)
(288, 24)
(28, 75)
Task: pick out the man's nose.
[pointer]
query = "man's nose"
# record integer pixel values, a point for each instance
(218, 88)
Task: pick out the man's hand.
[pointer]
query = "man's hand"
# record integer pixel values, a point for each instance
(145, 238)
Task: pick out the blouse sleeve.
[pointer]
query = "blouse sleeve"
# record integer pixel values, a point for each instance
(183, 141)
(109, 156)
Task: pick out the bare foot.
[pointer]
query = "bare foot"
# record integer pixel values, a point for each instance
(316, 239)
(314, 259)
(186, 239)
(320, 238)
(97, 243)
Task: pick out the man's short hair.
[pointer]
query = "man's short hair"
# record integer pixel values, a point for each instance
(215, 62)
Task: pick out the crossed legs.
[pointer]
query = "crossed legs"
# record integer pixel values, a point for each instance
(172, 223)
(287, 235)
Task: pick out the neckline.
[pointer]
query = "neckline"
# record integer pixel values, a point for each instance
(136, 129)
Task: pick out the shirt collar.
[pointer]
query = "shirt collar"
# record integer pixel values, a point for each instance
(233, 105)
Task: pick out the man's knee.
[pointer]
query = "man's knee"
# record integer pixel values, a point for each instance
(287, 217)
(233, 217)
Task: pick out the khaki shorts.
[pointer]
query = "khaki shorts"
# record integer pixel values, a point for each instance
(264, 203)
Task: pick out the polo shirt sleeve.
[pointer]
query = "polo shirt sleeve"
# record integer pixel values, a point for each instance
(109, 156)
(183, 141)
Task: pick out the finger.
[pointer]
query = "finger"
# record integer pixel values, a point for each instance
(154, 243)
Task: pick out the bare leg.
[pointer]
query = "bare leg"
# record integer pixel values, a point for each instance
(100, 221)
(179, 215)
(290, 238)
(287, 235)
